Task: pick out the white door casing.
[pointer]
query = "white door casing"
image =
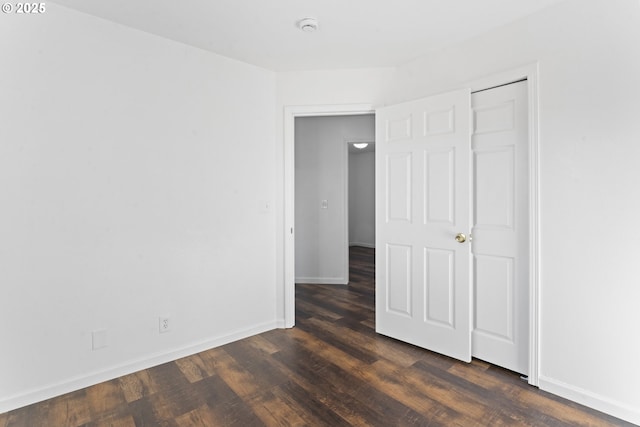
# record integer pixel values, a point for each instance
(500, 227)
(422, 203)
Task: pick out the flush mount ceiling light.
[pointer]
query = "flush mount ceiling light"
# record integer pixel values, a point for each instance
(308, 25)
(361, 145)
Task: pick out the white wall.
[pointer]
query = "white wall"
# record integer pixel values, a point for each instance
(133, 171)
(589, 150)
(362, 199)
(321, 167)
(334, 87)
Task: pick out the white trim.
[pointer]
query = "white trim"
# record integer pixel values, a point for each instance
(529, 72)
(322, 280)
(83, 381)
(592, 400)
(345, 179)
(290, 113)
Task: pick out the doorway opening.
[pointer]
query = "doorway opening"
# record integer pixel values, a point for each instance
(290, 115)
(334, 194)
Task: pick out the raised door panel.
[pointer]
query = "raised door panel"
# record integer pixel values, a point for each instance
(399, 129)
(398, 188)
(439, 287)
(494, 290)
(439, 185)
(398, 284)
(495, 187)
(438, 122)
(494, 118)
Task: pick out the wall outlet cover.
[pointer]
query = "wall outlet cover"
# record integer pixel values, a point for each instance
(164, 324)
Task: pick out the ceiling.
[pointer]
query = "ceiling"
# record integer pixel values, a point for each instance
(352, 33)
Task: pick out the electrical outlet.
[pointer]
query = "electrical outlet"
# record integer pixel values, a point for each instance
(164, 324)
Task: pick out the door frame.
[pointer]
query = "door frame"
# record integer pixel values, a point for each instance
(530, 73)
(290, 114)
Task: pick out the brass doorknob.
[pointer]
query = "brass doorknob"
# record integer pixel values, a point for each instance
(461, 238)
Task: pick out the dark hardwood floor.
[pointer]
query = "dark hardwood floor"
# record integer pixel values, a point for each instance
(332, 369)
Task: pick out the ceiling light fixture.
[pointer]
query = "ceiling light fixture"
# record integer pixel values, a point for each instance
(360, 145)
(308, 25)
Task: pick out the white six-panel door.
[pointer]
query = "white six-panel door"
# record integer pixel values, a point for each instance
(500, 227)
(422, 202)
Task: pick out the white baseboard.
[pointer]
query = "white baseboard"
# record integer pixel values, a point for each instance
(281, 324)
(592, 400)
(80, 382)
(364, 245)
(322, 280)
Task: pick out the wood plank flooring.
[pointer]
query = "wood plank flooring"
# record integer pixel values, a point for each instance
(332, 369)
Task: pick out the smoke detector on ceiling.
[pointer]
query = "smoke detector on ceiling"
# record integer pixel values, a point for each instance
(308, 25)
